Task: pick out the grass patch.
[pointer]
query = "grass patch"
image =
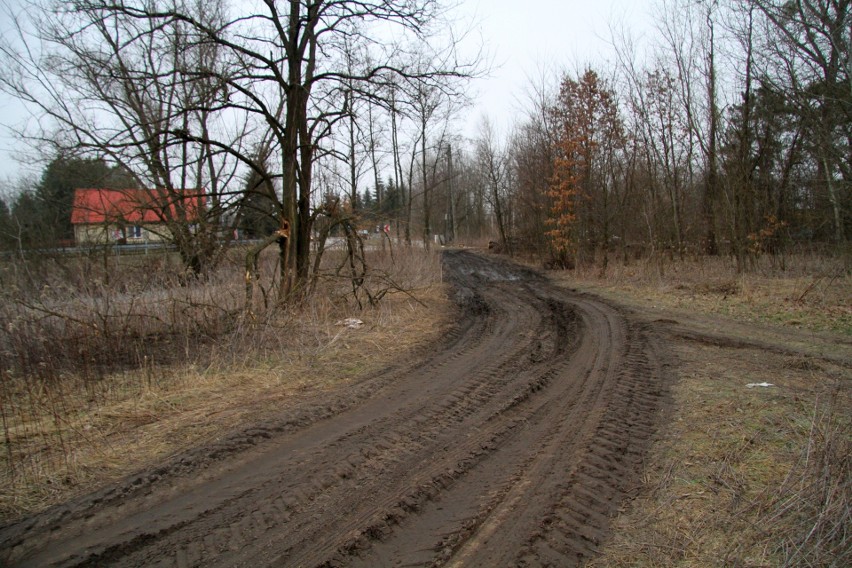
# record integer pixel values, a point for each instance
(745, 476)
(749, 477)
(812, 293)
(67, 432)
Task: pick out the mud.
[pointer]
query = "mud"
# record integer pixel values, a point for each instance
(512, 443)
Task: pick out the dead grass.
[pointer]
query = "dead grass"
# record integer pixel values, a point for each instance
(749, 477)
(64, 436)
(813, 293)
(736, 479)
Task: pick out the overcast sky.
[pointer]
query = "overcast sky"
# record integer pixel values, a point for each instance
(527, 37)
(522, 37)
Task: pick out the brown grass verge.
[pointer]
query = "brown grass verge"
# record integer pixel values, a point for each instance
(750, 477)
(65, 436)
(745, 476)
(813, 293)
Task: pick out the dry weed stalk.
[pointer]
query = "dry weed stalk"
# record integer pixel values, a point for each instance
(809, 518)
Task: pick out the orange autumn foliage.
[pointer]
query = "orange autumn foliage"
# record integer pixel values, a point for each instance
(564, 192)
(587, 126)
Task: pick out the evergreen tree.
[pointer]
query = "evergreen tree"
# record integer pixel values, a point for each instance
(367, 202)
(258, 212)
(393, 201)
(763, 145)
(7, 232)
(29, 223)
(259, 207)
(54, 195)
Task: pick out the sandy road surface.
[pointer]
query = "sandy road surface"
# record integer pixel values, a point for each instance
(512, 443)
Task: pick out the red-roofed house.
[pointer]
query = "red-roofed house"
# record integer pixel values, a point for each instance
(101, 216)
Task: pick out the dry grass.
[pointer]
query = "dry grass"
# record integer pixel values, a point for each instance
(812, 293)
(726, 485)
(67, 432)
(750, 477)
(745, 477)
(740, 476)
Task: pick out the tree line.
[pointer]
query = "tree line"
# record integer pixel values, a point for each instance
(263, 106)
(729, 133)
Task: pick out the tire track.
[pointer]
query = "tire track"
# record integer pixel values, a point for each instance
(514, 443)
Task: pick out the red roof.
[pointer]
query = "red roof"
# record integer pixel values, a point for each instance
(94, 206)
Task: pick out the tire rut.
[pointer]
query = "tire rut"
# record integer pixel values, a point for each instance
(513, 444)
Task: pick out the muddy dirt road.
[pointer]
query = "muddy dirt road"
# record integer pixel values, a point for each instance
(511, 444)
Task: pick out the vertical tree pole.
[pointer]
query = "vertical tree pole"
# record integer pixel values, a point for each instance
(451, 208)
(427, 229)
(711, 189)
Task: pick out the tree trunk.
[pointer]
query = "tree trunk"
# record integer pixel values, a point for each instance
(711, 185)
(427, 230)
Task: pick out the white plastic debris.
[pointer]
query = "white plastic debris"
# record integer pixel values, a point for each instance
(351, 323)
(752, 385)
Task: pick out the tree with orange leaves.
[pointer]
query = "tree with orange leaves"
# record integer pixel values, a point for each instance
(564, 191)
(589, 133)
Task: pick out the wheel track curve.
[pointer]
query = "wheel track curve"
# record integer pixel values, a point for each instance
(513, 443)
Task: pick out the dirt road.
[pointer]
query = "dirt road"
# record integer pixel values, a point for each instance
(511, 444)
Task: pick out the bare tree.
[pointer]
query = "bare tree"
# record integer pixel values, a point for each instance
(287, 72)
(688, 53)
(711, 184)
(533, 155)
(493, 168)
(426, 102)
(117, 88)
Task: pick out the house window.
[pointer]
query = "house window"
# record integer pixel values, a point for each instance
(135, 232)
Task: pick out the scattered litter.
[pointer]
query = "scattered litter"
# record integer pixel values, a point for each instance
(351, 323)
(752, 385)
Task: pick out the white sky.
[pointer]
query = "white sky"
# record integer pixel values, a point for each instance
(527, 37)
(523, 37)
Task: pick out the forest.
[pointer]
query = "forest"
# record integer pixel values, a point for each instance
(729, 133)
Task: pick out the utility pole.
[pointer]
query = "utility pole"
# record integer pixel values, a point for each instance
(451, 207)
